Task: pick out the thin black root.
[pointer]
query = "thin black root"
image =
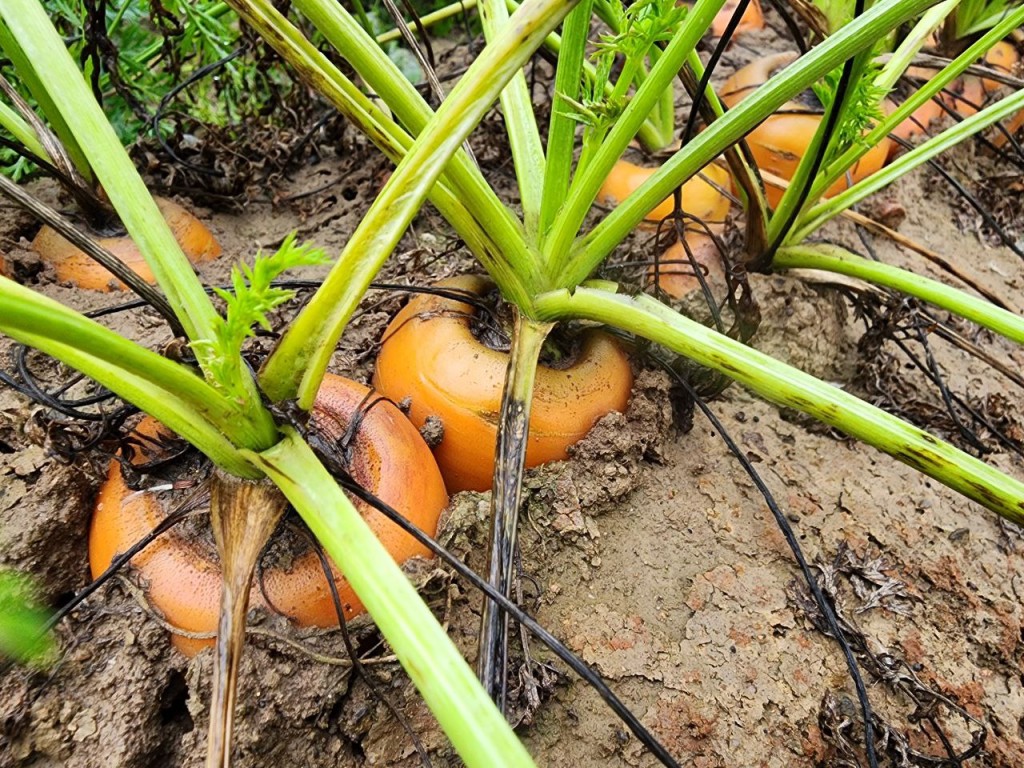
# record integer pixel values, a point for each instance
(888, 668)
(357, 664)
(824, 604)
(975, 423)
(571, 660)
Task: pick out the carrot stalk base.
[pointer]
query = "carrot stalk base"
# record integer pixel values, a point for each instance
(244, 515)
(510, 460)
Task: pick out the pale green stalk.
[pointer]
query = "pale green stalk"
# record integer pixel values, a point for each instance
(797, 195)
(489, 222)
(313, 67)
(744, 173)
(666, 119)
(648, 134)
(904, 55)
(590, 250)
(832, 258)
(562, 127)
(786, 386)
(838, 167)
(694, 62)
(172, 393)
(837, 13)
(24, 65)
(520, 126)
(441, 14)
(22, 131)
(477, 730)
(955, 134)
(661, 119)
(296, 367)
(590, 177)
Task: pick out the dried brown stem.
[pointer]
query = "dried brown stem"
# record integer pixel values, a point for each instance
(243, 513)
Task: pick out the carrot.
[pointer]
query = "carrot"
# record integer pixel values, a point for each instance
(752, 19)
(183, 579)
(1002, 57)
(779, 143)
(73, 266)
(675, 273)
(917, 124)
(701, 199)
(965, 96)
(431, 356)
(1005, 57)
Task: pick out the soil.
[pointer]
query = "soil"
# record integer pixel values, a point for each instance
(651, 553)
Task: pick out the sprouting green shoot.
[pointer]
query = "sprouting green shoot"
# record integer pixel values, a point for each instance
(639, 26)
(863, 111)
(22, 622)
(253, 295)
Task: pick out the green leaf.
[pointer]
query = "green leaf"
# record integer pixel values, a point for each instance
(863, 109)
(253, 296)
(22, 622)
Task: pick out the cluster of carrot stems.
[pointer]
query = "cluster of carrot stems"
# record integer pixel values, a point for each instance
(541, 259)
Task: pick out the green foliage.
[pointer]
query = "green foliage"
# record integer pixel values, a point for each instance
(22, 622)
(863, 108)
(974, 16)
(252, 297)
(836, 12)
(14, 165)
(638, 28)
(157, 46)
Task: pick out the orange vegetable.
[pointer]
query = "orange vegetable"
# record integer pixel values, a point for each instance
(917, 124)
(753, 18)
(72, 265)
(1005, 57)
(969, 93)
(675, 273)
(1011, 126)
(779, 143)
(1002, 57)
(700, 199)
(389, 458)
(965, 96)
(431, 356)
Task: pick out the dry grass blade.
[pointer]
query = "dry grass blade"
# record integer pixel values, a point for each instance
(243, 515)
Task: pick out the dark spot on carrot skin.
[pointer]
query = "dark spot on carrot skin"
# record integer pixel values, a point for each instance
(784, 154)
